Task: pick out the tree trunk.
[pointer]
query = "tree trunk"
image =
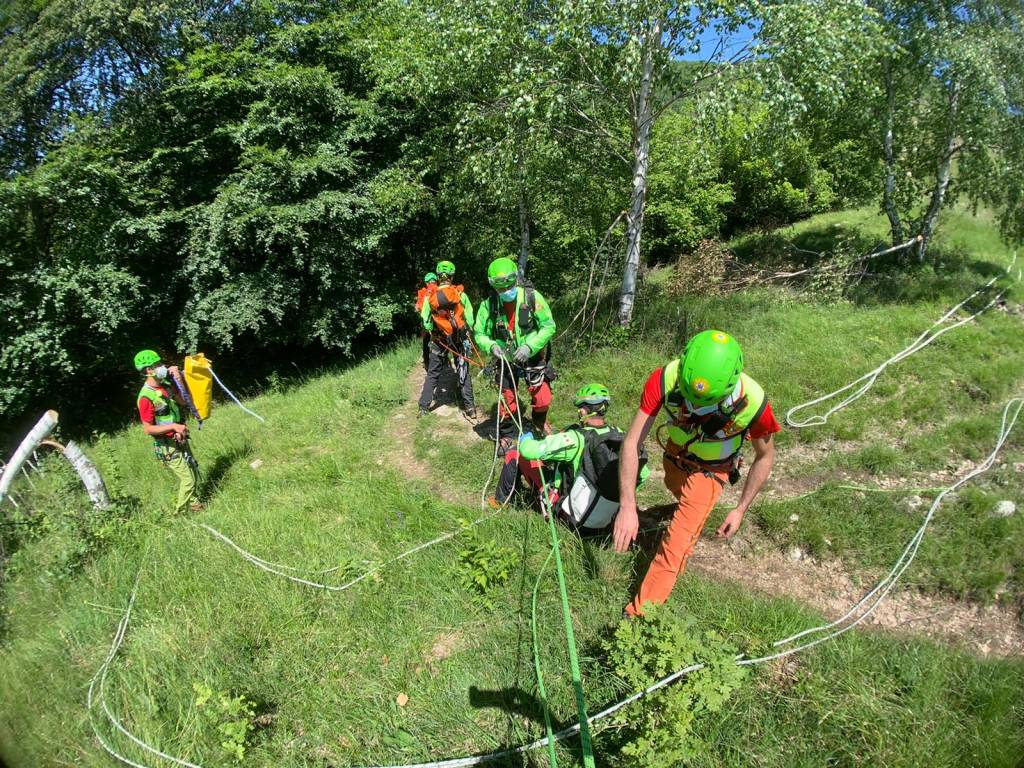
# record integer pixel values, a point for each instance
(888, 203)
(36, 435)
(641, 158)
(524, 232)
(942, 175)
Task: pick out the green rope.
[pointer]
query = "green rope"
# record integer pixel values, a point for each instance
(574, 662)
(536, 665)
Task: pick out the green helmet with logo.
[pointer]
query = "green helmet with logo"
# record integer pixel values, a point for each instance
(502, 273)
(592, 394)
(146, 359)
(709, 368)
(445, 268)
(430, 277)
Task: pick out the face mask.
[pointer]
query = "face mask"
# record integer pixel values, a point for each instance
(508, 295)
(161, 373)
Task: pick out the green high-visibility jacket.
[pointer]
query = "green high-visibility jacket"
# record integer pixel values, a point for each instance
(491, 325)
(165, 410)
(565, 450)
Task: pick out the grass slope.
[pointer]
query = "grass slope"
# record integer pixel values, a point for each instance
(325, 670)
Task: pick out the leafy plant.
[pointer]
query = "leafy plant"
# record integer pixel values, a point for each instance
(483, 565)
(232, 716)
(666, 731)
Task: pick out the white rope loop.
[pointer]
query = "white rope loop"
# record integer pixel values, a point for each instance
(868, 379)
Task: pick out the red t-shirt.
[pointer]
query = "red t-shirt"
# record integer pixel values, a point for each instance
(146, 411)
(651, 402)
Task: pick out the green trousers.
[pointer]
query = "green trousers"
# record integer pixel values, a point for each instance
(187, 473)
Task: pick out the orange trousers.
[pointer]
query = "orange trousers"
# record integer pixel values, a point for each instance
(697, 493)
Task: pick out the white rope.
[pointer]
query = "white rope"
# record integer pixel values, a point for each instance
(231, 394)
(868, 379)
(273, 567)
(834, 629)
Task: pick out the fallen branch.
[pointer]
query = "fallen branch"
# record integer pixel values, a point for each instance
(36, 435)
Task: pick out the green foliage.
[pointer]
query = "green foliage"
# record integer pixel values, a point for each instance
(666, 730)
(231, 716)
(483, 566)
(58, 511)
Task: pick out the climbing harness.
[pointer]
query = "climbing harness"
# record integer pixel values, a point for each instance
(866, 381)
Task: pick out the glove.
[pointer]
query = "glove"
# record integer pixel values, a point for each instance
(525, 436)
(497, 351)
(522, 354)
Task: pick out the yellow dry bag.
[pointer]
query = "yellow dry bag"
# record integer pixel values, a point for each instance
(200, 383)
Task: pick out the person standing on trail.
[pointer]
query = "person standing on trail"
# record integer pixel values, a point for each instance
(447, 316)
(160, 410)
(429, 286)
(580, 464)
(711, 408)
(515, 325)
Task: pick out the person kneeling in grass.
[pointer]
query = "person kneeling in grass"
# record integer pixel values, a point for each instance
(579, 464)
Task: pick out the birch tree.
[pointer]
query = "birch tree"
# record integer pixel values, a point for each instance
(949, 96)
(617, 57)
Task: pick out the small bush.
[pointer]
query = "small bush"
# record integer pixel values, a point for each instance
(483, 565)
(666, 730)
(231, 716)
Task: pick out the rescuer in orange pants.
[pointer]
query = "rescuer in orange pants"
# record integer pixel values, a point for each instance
(713, 408)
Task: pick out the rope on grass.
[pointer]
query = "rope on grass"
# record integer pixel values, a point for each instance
(570, 639)
(231, 394)
(866, 381)
(273, 568)
(869, 603)
(278, 569)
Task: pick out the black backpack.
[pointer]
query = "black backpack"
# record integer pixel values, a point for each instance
(599, 469)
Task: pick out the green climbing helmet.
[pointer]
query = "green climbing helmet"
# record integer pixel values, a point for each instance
(145, 359)
(430, 277)
(502, 274)
(592, 394)
(709, 368)
(445, 268)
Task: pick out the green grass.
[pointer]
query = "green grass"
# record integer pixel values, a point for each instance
(324, 670)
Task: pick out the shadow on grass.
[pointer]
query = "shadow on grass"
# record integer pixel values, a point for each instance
(212, 477)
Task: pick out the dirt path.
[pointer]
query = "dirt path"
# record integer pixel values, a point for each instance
(759, 566)
(829, 588)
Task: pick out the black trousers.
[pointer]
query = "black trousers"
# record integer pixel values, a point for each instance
(438, 362)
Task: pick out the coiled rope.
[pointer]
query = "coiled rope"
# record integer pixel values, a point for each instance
(864, 383)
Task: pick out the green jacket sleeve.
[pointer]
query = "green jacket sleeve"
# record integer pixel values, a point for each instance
(539, 338)
(483, 328)
(561, 446)
(428, 324)
(467, 309)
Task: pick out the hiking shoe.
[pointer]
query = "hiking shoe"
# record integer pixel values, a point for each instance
(197, 506)
(423, 412)
(470, 414)
(493, 502)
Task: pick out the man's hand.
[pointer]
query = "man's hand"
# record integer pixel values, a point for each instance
(730, 525)
(173, 370)
(627, 525)
(497, 351)
(522, 355)
(180, 432)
